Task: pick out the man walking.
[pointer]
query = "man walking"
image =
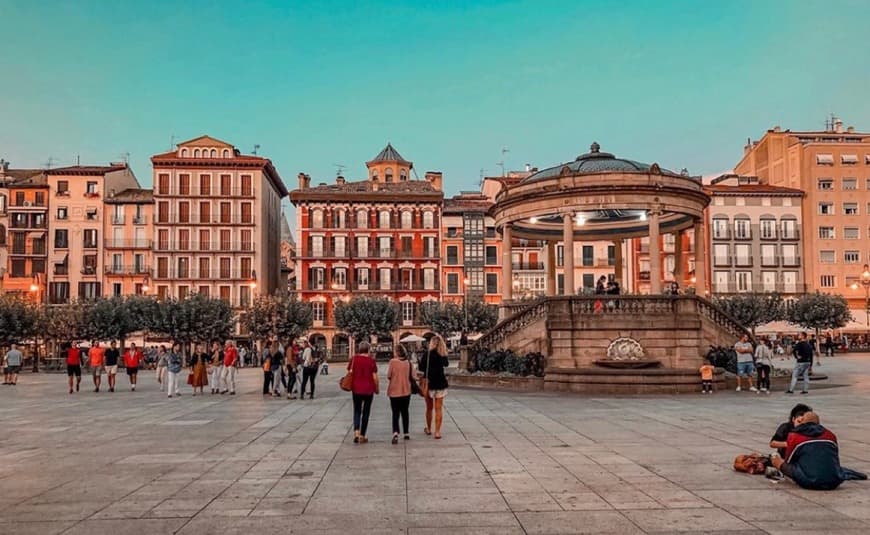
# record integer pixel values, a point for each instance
(309, 369)
(112, 356)
(745, 367)
(73, 366)
(97, 356)
(12, 365)
(132, 359)
(803, 353)
(228, 376)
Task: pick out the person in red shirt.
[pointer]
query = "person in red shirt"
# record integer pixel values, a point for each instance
(228, 375)
(97, 357)
(365, 386)
(132, 358)
(73, 365)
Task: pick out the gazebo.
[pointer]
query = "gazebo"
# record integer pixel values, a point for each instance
(601, 197)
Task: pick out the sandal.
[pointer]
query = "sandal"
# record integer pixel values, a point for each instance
(437, 436)
(427, 431)
(363, 440)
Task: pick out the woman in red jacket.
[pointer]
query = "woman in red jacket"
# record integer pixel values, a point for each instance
(365, 386)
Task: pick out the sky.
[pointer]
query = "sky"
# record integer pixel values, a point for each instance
(449, 84)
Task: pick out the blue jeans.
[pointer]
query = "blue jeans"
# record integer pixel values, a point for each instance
(745, 369)
(801, 368)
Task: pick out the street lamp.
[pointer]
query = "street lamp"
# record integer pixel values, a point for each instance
(465, 282)
(865, 282)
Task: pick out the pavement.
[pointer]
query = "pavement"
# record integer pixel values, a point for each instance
(137, 462)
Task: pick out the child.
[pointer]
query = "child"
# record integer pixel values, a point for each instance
(707, 378)
(795, 418)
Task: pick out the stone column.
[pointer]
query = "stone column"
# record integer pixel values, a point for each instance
(617, 262)
(507, 267)
(568, 241)
(655, 255)
(551, 269)
(678, 258)
(700, 259)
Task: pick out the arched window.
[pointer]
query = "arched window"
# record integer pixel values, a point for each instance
(388, 174)
(184, 153)
(403, 175)
(196, 153)
(317, 219)
(720, 228)
(362, 219)
(226, 153)
(213, 153)
(428, 219)
(407, 219)
(384, 219)
(374, 175)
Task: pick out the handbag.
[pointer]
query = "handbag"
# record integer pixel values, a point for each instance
(424, 381)
(190, 379)
(415, 389)
(346, 382)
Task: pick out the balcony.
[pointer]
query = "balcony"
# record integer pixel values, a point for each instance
(28, 251)
(206, 246)
(128, 244)
(721, 261)
(28, 205)
(204, 219)
(89, 245)
(375, 287)
(61, 269)
(528, 266)
(791, 261)
(721, 234)
(211, 274)
(92, 195)
(140, 220)
(89, 270)
(128, 270)
(769, 261)
(210, 193)
(743, 261)
(118, 219)
(61, 193)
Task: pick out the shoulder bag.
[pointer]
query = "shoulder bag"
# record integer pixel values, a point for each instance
(415, 389)
(424, 381)
(346, 382)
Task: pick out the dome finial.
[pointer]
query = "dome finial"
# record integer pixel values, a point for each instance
(595, 147)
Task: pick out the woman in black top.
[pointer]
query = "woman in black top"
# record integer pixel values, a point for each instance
(432, 366)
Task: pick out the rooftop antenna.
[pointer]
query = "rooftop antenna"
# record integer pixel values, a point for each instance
(256, 148)
(339, 169)
(172, 142)
(78, 160)
(51, 160)
(504, 150)
(126, 157)
(482, 174)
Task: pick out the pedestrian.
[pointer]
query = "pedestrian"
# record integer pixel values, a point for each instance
(816, 353)
(132, 360)
(707, 378)
(73, 365)
(829, 345)
(231, 360)
(214, 370)
(12, 365)
(764, 365)
(290, 365)
(432, 366)
(198, 369)
(162, 362)
(745, 367)
(364, 371)
(267, 372)
(276, 365)
(174, 366)
(97, 358)
(399, 374)
(243, 356)
(111, 363)
(310, 364)
(803, 353)
(600, 285)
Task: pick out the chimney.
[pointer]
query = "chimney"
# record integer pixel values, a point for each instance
(4, 165)
(434, 178)
(850, 130)
(838, 125)
(528, 167)
(304, 181)
(340, 180)
(777, 128)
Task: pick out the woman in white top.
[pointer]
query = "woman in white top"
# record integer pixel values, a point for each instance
(763, 365)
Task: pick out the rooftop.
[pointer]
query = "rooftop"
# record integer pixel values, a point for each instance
(389, 154)
(132, 196)
(85, 170)
(594, 162)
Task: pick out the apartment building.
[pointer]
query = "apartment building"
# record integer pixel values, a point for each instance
(76, 220)
(378, 237)
(216, 219)
(288, 258)
(832, 168)
(23, 227)
(755, 233)
(675, 248)
(128, 229)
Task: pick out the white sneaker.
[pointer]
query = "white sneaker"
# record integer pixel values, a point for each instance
(753, 389)
(739, 389)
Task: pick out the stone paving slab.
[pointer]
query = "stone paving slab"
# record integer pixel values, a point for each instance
(535, 463)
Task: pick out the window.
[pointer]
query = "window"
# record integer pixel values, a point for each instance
(720, 229)
(428, 219)
(247, 243)
(163, 268)
(452, 255)
(91, 214)
(825, 159)
(851, 233)
(408, 312)
(116, 289)
(226, 185)
(339, 218)
(247, 213)
(407, 219)
(428, 279)
(63, 191)
(611, 255)
(826, 208)
(491, 255)
(452, 232)
(339, 247)
(205, 185)
(850, 208)
(560, 255)
(61, 238)
(247, 189)
(789, 229)
(317, 246)
(768, 229)
(39, 199)
(362, 219)
(849, 159)
(205, 291)
(826, 233)
(226, 212)
(224, 267)
(453, 283)
(318, 310)
(403, 175)
(852, 257)
(58, 292)
(826, 184)
(744, 281)
(790, 255)
(492, 283)
(850, 183)
(163, 212)
(89, 290)
(317, 219)
(91, 188)
(742, 229)
(384, 277)
(385, 244)
(721, 254)
(384, 219)
(225, 294)
(317, 278)
(588, 255)
(244, 295)
(743, 255)
(768, 281)
(183, 271)
(184, 184)
(430, 247)
(339, 279)
(362, 278)
(362, 246)
(225, 240)
(204, 268)
(89, 238)
(89, 264)
(768, 255)
(828, 281)
(720, 281)
(827, 257)
(205, 212)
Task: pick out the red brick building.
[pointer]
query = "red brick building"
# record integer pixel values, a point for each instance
(378, 237)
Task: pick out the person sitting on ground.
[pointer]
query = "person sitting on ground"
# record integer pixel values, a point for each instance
(812, 457)
(779, 438)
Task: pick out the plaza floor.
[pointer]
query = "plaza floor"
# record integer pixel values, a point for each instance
(137, 462)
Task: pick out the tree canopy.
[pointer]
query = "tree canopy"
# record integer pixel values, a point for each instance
(820, 311)
(753, 309)
(197, 318)
(18, 320)
(366, 316)
(283, 317)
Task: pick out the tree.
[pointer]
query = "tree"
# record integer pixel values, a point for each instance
(195, 319)
(17, 320)
(753, 309)
(481, 316)
(281, 317)
(820, 311)
(63, 323)
(260, 319)
(117, 317)
(367, 316)
(443, 318)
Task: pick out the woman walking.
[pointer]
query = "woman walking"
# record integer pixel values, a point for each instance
(215, 363)
(432, 367)
(161, 366)
(267, 371)
(198, 372)
(365, 386)
(174, 365)
(276, 359)
(399, 390)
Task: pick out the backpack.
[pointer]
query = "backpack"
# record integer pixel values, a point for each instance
(754, 463)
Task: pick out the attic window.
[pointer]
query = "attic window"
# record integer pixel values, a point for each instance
(403, 175)
(226, 153)
(849, 159)
(388, 174)
(184, 153)
(213, 153)
(374, 176)
(196, 153)
(825, 159)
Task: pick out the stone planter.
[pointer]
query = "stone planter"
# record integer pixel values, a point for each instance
(498, 382)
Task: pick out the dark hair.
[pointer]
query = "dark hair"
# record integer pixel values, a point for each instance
(401, 352)
(799, 410)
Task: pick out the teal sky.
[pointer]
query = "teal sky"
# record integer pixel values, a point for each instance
(683, 83)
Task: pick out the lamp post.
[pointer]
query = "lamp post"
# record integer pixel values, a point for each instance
(865, 282)
(465, 282)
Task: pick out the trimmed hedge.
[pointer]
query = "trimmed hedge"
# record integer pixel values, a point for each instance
(506, 361)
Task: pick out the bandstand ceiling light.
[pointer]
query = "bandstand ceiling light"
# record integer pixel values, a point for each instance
(643, 215)
(533, 220)
(581, 220)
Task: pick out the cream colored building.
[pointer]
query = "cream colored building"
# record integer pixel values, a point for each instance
(217, 221)
(128, 228)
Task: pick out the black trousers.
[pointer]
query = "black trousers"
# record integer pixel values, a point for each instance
(706, 385)
(267, 382)
(763, 375)
(308, 374)
(362, 407)
(399, 407)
